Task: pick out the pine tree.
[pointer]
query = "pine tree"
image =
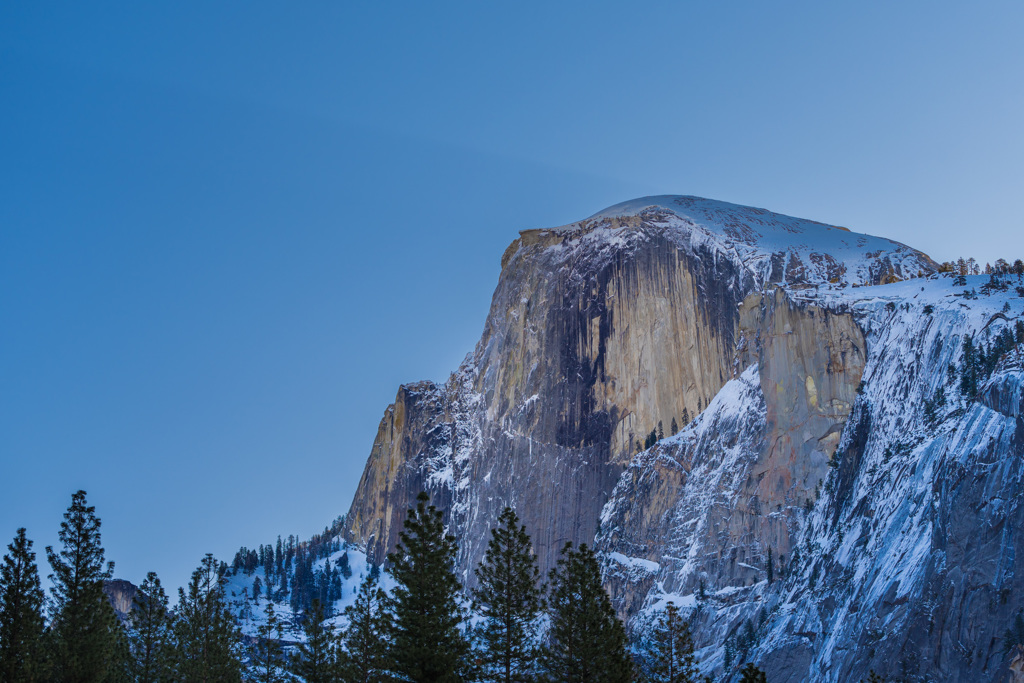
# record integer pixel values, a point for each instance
(267, 656)
(83, 629)
(969, 369)
(315, 662)
(873, 678)
(363, 647)
(509, 600)
(686, 417)
(149, 635)
(122, 667)
(670, 655)
(268, 567)
(675, 426)
(279, 558)
(429, 645)
(1015, 634)
(21, 614)
(343, 566)
(751, 674)
(207, 642)
(587, 642)
(770, 565)
(661, 431)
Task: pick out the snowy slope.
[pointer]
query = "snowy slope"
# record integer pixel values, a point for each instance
(908, 562)
(773, 247)
(251, 613)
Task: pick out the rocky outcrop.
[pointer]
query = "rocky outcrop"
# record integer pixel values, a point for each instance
(727, 496)
(599, 333)
(903, 561)
(569, 376)
(415, 425)
(121, 594)
(835, 505)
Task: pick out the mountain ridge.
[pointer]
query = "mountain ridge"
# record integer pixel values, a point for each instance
(604, 333)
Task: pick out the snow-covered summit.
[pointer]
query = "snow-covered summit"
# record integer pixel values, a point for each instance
(773, 246)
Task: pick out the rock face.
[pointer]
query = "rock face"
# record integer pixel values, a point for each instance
(121, 594)
(904, 561)
(598, 332)
(719, 495)
(809, 514)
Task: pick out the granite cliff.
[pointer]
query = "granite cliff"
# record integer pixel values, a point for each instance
(814, 511)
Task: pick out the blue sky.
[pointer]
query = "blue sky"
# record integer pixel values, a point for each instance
(229, 231)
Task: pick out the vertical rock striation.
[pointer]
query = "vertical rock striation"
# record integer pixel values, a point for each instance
(599, 333)
(837, 505)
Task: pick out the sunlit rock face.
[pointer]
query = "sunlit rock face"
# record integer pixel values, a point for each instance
(590, 343)
(598, 332)
(796, 360)
(122, 595)
(892, 530)
(705, 506)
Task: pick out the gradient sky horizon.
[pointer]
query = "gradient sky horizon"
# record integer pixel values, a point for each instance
(229, 231)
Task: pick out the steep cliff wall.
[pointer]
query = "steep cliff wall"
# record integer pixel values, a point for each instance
(416, 425)
(705, 507)
(826, 512)
(586, 350)
(598, 331)
(906, 562)
(121, 594)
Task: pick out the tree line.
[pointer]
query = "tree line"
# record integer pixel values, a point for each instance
(76, 637)
(511, 628)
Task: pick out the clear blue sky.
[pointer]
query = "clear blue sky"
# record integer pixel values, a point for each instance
(228, 231)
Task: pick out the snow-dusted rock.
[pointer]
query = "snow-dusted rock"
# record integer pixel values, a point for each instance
(807, 354)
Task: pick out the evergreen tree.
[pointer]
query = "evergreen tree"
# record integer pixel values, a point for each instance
(1015, 634)
(686, 417)
(268, 567)
(587, 643)
(315, 662)
(429, 645)
(670, 656)
(751, 674)
(83, 630)
(873, 678)
(279, 558)
(661, 431)
(343, 566)
(509, 600)
(267, 656)
(675, 426)
(363, 648)
(257, 589)
(149, 634)
(122, 667)
(21, 614)
(969, 370)
(207, 641)
(770, 565)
